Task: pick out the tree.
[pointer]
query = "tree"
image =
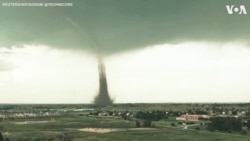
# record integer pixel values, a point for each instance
(147, 123)
(225, 124)
(137, 123)
(248, 124)
(173, 124)
(1, 137)
(243, 132)
(7, 139)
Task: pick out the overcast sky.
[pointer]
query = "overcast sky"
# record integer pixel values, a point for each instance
(154, 51)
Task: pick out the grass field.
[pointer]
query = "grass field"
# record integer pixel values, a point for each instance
(71, 122)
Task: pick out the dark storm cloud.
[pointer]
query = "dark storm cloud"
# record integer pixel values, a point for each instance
(117, 25)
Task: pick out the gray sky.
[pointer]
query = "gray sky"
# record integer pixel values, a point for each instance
(155, 51)
(117, 25)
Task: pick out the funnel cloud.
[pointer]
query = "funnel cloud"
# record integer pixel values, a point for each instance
(103, 98)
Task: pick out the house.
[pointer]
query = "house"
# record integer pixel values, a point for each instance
(188, 117)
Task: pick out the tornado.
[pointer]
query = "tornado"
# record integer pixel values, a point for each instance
(102, 98)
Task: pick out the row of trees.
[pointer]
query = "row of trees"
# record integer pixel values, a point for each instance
(151, 115)
(225, 124)
(147, 117)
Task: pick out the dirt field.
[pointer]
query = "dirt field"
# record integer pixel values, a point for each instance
(31, 122)
(108, 130)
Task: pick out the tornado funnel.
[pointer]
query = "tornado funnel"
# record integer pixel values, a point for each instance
(103, 98)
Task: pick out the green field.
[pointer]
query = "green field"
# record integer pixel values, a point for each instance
(71, 122)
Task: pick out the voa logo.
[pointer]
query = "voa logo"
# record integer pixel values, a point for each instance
(231, 9)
